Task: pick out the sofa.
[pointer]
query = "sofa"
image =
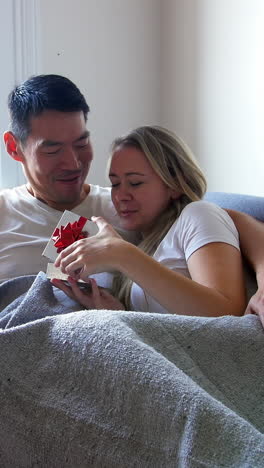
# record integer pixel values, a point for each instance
(250, 204)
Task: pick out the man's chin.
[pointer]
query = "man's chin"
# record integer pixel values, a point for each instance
(66, 201)
(69, 192)
(70, 198)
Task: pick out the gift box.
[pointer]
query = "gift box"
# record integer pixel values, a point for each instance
(70, 228)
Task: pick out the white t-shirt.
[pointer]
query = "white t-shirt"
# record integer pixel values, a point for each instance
(199, 223)
(26, 225)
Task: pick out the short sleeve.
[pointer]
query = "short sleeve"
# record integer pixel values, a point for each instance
(202, 223)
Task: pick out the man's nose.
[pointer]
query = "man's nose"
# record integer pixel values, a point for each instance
(71, 160)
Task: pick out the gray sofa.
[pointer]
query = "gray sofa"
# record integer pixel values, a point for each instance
(249, 204)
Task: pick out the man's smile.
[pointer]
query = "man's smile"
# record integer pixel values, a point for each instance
(69, 179)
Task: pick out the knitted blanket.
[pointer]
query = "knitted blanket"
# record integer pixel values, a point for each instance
(126, 389)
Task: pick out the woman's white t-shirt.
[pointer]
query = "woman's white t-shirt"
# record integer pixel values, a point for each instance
(199, 223)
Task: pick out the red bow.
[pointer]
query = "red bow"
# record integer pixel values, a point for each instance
(65, 236)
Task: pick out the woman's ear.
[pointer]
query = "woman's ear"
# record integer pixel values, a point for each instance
(12, 147)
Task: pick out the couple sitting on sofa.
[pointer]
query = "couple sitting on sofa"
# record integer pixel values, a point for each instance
(187, 260)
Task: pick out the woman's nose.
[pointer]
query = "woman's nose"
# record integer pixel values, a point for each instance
(122, 193)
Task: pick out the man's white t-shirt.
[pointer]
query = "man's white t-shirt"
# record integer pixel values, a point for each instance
(27, 224)
(200, 223)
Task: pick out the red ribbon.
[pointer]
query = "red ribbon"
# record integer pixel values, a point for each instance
(66, 235)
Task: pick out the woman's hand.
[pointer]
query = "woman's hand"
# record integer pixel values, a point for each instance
(94, 254)
(91, 298)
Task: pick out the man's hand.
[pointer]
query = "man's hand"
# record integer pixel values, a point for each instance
(256, 305)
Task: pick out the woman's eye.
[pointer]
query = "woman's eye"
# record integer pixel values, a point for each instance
(132, 184)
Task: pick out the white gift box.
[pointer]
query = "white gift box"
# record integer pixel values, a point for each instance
(90, 227)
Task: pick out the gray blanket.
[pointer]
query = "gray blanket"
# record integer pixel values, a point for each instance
(126, 389)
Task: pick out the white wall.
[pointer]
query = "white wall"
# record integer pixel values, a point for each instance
(212, 87)
(178, 65)
(195, 66)
(111, 50)
(10, 173)
(6, 37)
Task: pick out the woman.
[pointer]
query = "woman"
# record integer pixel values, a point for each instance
(188, 261)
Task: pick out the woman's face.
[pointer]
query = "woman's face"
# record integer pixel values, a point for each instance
(138, 193)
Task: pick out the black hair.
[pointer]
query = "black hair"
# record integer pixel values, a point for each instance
(40, 93)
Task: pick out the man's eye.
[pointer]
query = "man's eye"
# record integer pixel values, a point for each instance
(52, 152)
(115, 185)
(84, 145)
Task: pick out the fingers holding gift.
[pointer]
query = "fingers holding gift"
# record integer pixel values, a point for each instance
(71, 260)
(88, 294)
(91, 255)
(105, 229)
(60, 284)
(92, 298)
(81, 293)
(79, 265)
(74, 267)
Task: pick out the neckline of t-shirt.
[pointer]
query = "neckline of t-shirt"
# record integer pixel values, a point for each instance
(46, 207)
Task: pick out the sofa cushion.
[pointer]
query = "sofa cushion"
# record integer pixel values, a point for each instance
(250, 204)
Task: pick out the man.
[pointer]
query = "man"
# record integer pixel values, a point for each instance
(48, 136)
(251, 233)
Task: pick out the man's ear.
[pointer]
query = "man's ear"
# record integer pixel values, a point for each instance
(175, 194)
(13, 147)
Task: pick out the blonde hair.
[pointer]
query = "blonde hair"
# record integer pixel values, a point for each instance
(174, 162)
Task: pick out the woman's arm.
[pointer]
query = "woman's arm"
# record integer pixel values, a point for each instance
(216, 287)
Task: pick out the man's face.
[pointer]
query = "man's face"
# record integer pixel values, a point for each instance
(56, 158)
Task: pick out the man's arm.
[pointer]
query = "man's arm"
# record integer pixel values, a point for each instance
(251, 233)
